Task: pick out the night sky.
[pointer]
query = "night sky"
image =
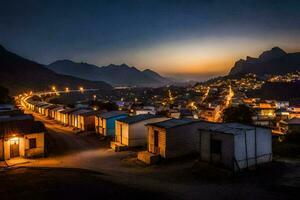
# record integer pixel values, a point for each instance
(187, 39)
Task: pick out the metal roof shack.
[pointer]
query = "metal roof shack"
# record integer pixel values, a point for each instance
(136, 119)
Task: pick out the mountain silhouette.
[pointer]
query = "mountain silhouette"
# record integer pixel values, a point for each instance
(19, 74)
(274, 61)
(117, 75)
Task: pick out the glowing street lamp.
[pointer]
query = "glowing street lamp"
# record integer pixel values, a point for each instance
(94, 97)
(81, 89)
(53, 88)
(67, 89)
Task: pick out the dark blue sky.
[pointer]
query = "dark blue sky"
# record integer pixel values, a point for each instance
(172, 37)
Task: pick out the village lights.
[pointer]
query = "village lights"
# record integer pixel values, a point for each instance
(81, 89)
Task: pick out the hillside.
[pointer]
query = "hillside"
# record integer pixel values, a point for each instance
(19, 74)
(117, 75)
(274, 61)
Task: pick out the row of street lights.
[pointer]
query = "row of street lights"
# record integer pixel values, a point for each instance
(53, 88)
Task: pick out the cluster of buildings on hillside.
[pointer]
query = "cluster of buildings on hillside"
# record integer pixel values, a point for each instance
(20, 134)
(277, 115)
(289, 77)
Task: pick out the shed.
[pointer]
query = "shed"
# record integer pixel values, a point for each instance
(235, 146)
(74, 116)
(86, 121)
(174, 137)
(132, 132)
(105, 122)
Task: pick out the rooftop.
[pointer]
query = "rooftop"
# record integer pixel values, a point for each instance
(15, 118)
(294, 120)
(171, 123)
(229, 128)
(135, 119)
(111, 114)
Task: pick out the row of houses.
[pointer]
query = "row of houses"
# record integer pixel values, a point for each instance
(20, 135)
(232, 145)
(81, 119)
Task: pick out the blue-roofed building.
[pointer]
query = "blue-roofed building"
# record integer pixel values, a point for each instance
(105, 122)
(132, 132)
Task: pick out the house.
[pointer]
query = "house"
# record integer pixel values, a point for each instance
(146, 110)
(48, 110)
(171, 138)
(54, 111)
(65, 115)
(44, 108)
(86, 121)
(105, 122)
(74, 117)
(21, 136)
(132, 132)
(235, 146)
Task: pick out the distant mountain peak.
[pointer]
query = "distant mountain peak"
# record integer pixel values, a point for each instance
(275, 52)
(121, 74)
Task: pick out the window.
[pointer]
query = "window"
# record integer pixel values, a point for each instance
(216, 146)
(32, 143)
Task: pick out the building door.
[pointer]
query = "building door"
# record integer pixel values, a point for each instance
(216, 151)
(156, 141)
(14, 148)
(155, 138)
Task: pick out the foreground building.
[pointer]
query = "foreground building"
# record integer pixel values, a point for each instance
(235, 146)
(21, 136)
(132, 132)
(171, 138)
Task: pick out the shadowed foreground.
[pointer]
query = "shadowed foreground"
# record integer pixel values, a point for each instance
(55, 183)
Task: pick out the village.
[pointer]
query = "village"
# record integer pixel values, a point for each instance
(180, 129)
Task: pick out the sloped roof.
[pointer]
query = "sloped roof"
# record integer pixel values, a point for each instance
(228, 128)
(136, 119)
(111, 114)
(294, 120)
(171, 123)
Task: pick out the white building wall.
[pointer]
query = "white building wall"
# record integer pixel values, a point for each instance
(253, 151)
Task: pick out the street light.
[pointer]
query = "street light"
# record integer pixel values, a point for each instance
(94, 96)
(81, 89)
(53, 88)
(67, 89)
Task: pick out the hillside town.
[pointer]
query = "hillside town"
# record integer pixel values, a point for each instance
(143, 118)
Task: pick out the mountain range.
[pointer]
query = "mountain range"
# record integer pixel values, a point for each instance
(274, 61)
(116, 75)
(19, 74)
